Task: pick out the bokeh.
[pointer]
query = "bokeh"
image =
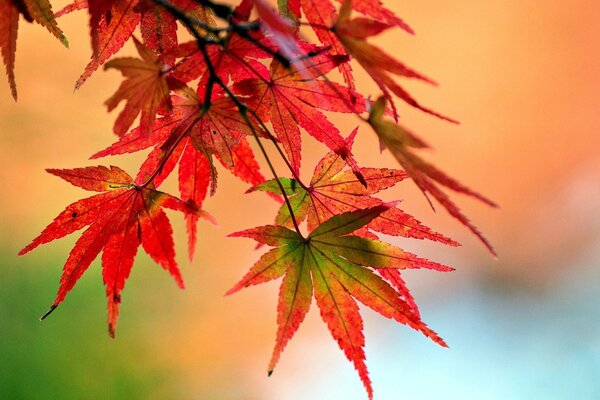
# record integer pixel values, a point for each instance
(521, 76)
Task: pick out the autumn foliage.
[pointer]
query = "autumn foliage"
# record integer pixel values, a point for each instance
(212, 83)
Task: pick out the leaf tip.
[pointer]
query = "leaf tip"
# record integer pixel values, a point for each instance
(269, 373)
(63, 39)
(25, 250)
(112, 331)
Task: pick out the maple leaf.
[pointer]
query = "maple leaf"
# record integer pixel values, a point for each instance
(337, 268)
(400, 142)
(333, 189)
(376, 10)
(320, 15)
(352, 33)
(119, 219)
(192, 135)
(372, 8)
(145, 90)
(323, 18)
(234, 57)
(39, 11)
(113, 22)
(290, 98)
(237, 59)
(213, 130)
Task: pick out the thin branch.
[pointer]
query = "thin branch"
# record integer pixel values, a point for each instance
(215, 79)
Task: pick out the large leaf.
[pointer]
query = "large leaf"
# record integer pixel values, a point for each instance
(338, 269)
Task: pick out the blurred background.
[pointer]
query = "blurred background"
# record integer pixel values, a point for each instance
(522, 76)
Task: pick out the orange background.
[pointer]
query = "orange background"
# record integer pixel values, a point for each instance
(522, 76)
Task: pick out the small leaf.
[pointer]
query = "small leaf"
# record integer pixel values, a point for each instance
(145, 90)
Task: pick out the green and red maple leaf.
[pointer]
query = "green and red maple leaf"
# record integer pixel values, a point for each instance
(338, 269)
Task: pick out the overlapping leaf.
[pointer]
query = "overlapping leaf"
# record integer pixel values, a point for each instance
(291, 99)
(372, 8)
(248, 76)
(192, 135)
(321, 15)
(237, 59)
(113, 22)
(337, 268)
(233, 56)
(144, 90)
(118, 220)
(333, 190)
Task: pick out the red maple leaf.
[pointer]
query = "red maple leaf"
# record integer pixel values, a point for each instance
(113, 22)
(237, 59)
(39, 11)
(118, 220)
(233, 58)
(291, 97)
(372, 8)
(192, 135)
(321, 15)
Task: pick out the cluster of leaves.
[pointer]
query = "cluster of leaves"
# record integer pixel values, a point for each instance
(248, 74)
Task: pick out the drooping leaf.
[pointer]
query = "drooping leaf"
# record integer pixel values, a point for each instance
(401, 143)
(118, 219)
(352, 33)
(338, 269)
(321, 15)
(9, 22)
(39, 11)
